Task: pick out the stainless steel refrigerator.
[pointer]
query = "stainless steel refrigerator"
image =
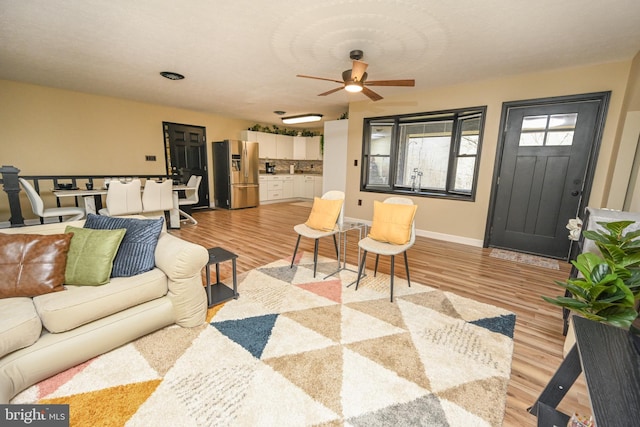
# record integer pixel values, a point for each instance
(235, 174)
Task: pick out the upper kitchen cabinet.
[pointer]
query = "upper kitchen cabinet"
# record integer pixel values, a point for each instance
(267, 146)
(313, 149)
(284, 147)
(307, 148)
(299, 147)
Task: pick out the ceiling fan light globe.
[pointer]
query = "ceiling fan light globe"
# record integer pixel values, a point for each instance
(353, 87)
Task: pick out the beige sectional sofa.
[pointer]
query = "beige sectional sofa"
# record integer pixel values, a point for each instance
(49, 333)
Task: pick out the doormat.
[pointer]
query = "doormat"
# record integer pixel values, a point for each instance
(525, 258)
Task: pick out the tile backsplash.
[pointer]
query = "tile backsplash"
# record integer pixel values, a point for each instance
(282, 166)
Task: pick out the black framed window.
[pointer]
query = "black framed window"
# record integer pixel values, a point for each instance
(424, 154)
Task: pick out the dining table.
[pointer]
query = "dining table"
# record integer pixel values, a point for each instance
(93, 200)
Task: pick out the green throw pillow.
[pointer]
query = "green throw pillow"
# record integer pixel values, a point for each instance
(91, 254)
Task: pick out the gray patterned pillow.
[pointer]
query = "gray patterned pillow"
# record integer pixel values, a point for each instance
(136, 252)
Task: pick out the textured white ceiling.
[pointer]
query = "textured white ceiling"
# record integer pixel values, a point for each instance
(241, 57)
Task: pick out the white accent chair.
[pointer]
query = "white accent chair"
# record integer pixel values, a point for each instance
(312, 233)
(123, 198)
(192, 197)
(157, 197)
(383, 248)
(71, 213)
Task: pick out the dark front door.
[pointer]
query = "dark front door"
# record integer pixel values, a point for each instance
(186, 155)
(546, 161)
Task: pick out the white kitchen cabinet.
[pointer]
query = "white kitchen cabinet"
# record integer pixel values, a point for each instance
(309, 184)
(284, 147)
(312, 148)
(287, 187)
(298, 186)
(267, 147)
(274, 188)
(262, 180)
(299, 147)
(317, 186)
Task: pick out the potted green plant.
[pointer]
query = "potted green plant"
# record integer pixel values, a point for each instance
(608, 288)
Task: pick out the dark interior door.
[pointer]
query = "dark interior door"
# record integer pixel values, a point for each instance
(544, 174)
(186, 155)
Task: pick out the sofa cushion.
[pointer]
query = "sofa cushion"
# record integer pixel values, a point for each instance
(79, 305)
(91, 255)
(32, 264)
(20, 325)
(136, 252)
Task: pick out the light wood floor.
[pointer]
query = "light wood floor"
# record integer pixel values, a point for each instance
(265, 234)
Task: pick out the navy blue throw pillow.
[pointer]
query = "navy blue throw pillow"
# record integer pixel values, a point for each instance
(136, 252)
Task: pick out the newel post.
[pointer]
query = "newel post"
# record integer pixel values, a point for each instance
(11, 186)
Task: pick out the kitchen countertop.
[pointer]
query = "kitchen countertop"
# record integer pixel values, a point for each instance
(297, 173)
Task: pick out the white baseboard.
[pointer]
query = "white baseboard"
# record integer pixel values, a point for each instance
(433, 235)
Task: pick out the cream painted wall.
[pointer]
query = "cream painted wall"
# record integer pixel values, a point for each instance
(47, 131)
(465, 222)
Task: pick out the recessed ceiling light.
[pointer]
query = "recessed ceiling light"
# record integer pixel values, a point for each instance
(280, 113)
(171, 75)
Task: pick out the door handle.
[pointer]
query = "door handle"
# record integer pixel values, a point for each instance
(575, 192)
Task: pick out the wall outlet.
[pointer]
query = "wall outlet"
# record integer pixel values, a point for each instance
(359, 202)
(150, 158)
(355, 162)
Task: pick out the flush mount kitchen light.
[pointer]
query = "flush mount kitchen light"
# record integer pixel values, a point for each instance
(303, 118)
(171, 75)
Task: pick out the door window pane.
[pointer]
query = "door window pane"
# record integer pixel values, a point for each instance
(553, 130)
(534, 122)
(533, 139)
(563, 121)
(560, 138)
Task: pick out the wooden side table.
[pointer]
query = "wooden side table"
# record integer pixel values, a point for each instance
(218, 292)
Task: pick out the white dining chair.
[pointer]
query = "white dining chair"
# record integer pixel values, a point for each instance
(157, 197)
(305, 230)
(123, 198)
(383, 247)
(192, 197)
(71, 213)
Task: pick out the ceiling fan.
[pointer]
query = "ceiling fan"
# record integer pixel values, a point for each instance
(355, 79)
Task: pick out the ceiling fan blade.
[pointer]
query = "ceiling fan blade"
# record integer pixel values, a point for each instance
(371, 94)
(390, 83)
(320, 78)
(357, 70)
(329, 92)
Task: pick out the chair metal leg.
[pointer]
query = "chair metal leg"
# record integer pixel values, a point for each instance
(315, 258)
(360, 267)
(295, 250)
(406, 266)
(375, 269)
(392, 263)
(335, 243)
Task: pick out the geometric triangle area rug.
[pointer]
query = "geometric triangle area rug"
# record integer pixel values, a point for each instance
(294, 350)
